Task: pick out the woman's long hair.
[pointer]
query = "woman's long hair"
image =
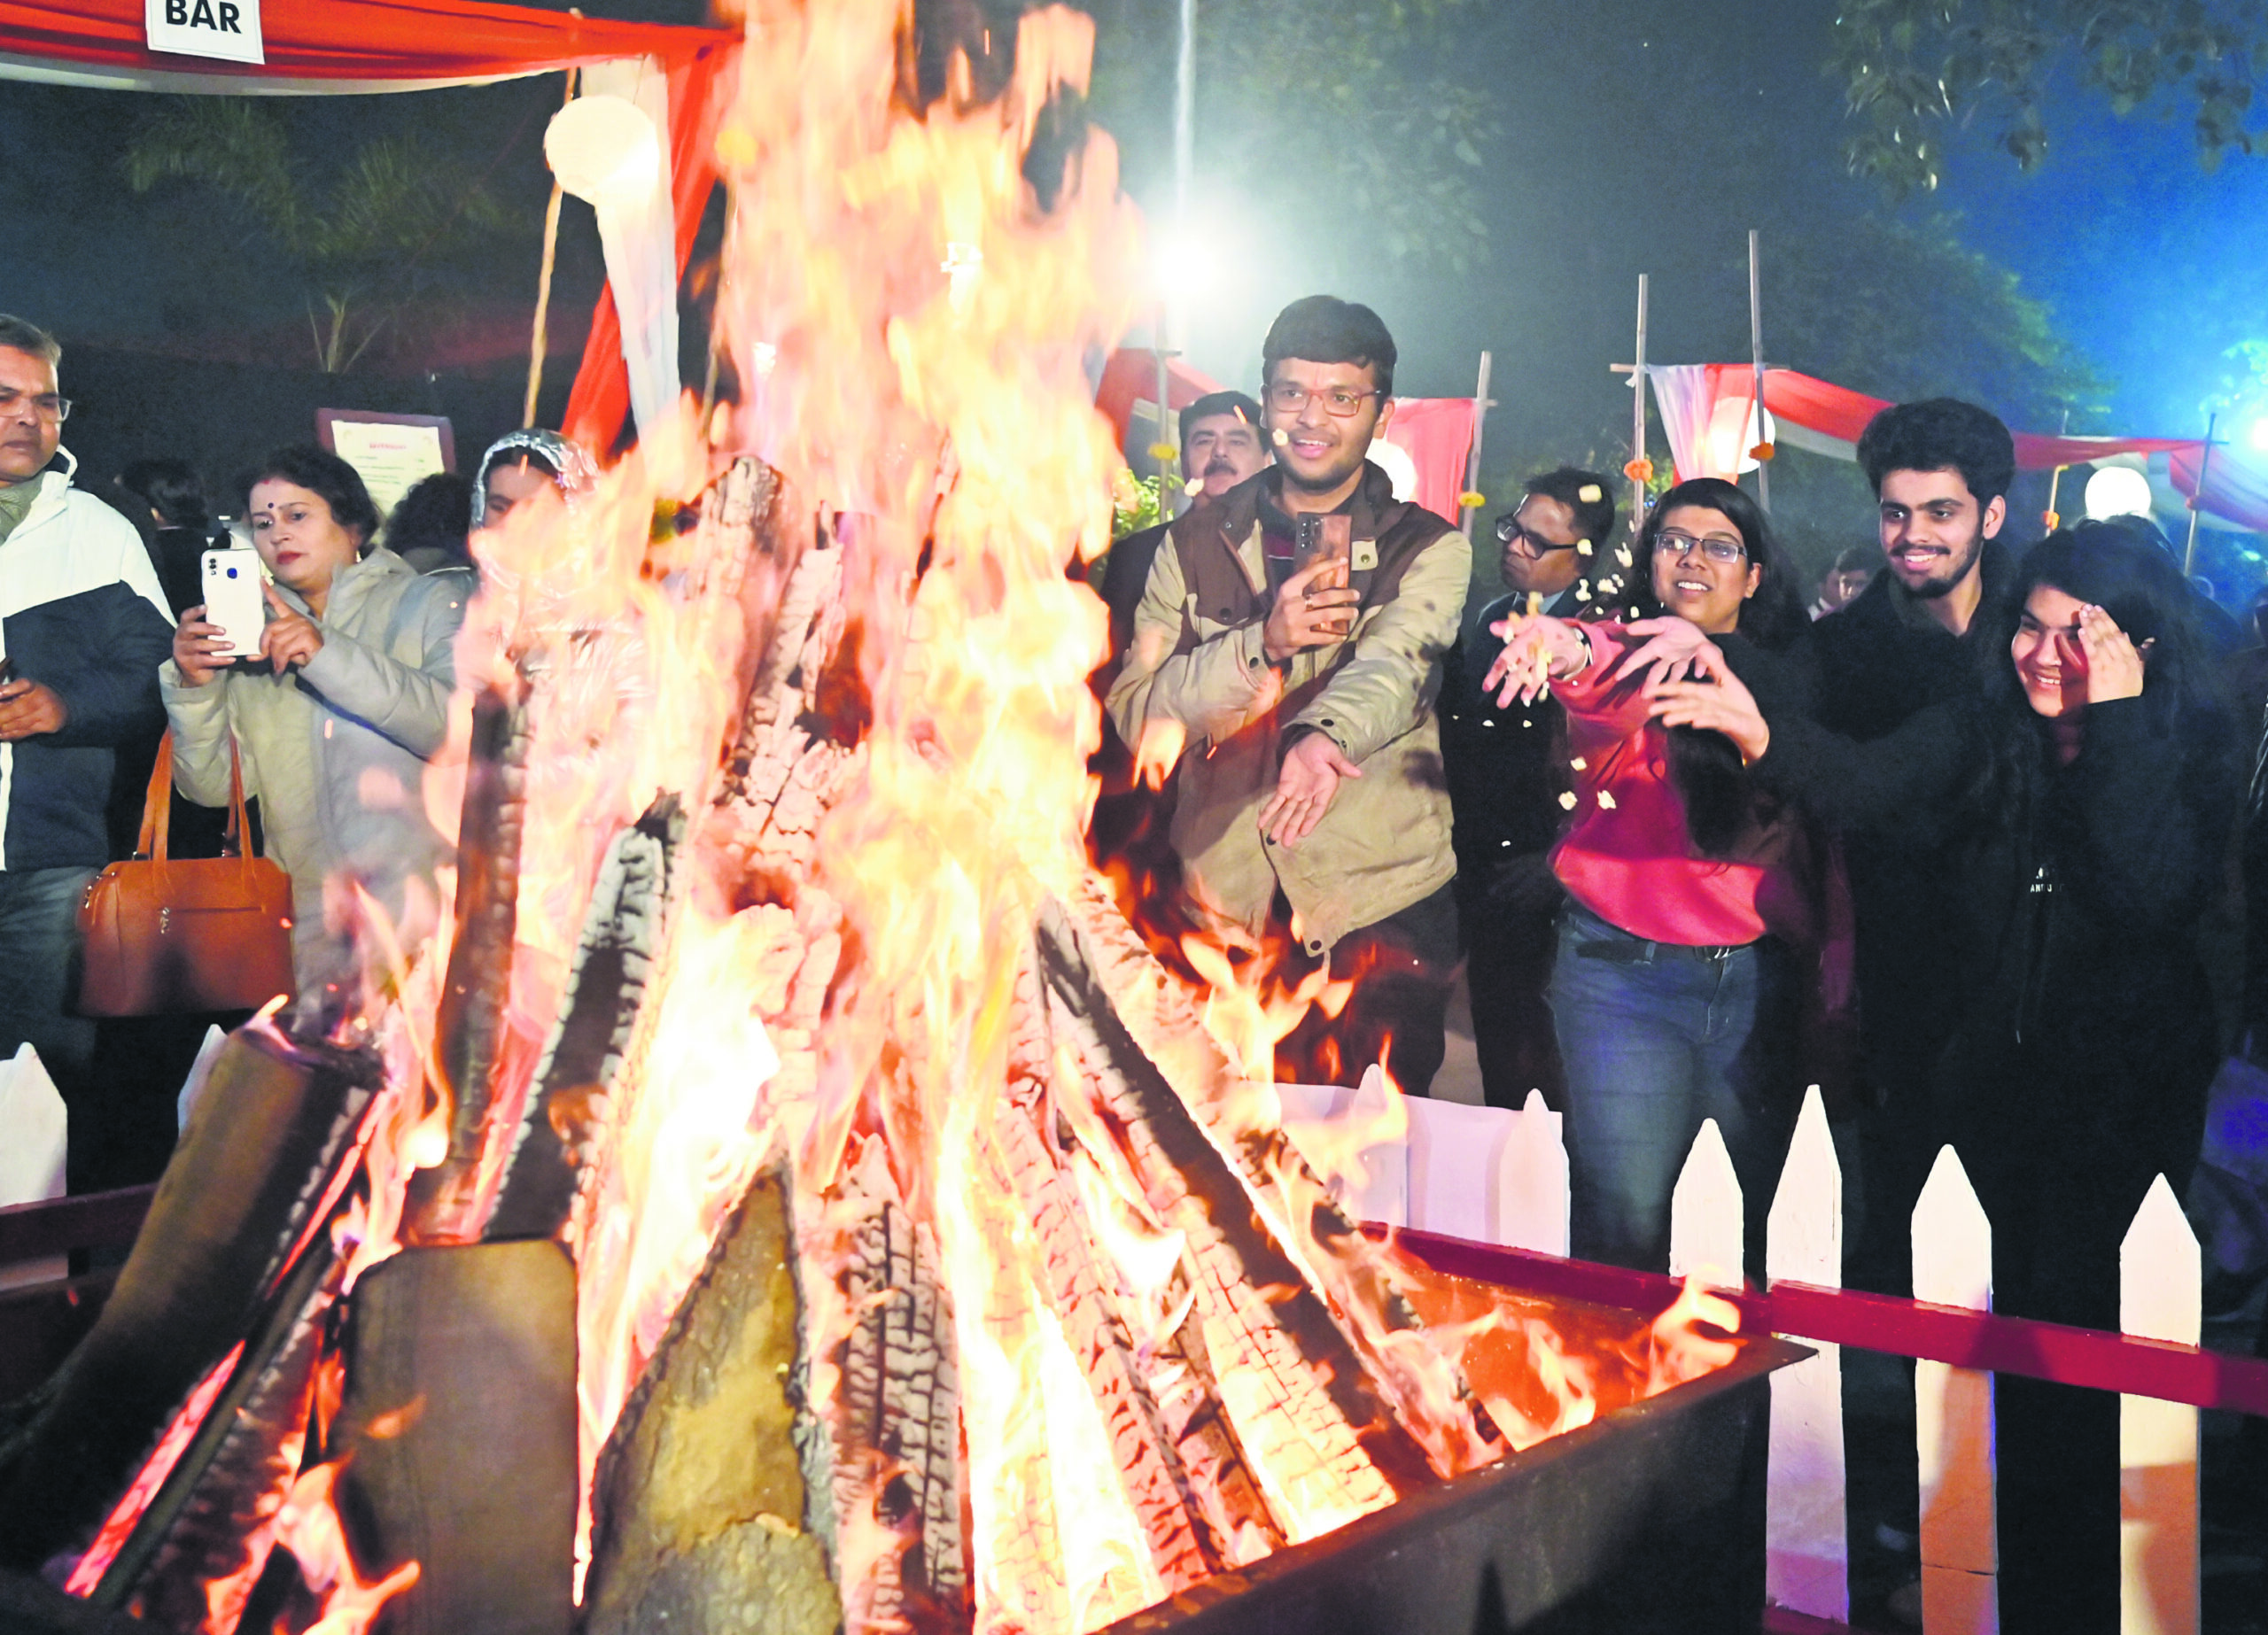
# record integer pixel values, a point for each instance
(1722, 806)
(2124, 568)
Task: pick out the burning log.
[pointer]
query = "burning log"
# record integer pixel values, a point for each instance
(708, 1515)
(890, 1388)
(263, 1161)
(470, 1024)
(1188, 1539)
(606, 994)
(202, 1542)
(460, 1367)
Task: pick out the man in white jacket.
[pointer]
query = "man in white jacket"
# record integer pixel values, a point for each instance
(84, 627)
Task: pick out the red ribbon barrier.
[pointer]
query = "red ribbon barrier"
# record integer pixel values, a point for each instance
(2041, 1350)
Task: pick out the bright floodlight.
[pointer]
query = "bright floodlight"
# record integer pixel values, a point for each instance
(1184, 266)
(2258, 435)
(2117, 491)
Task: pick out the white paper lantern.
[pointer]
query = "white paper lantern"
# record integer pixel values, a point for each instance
(2117, 491)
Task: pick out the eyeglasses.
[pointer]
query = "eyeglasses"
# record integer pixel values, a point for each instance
(1508, 528)
(46, 405)
(1722, 552)
(1339, 402)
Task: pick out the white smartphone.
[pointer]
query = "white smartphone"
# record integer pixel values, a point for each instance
(233, 599)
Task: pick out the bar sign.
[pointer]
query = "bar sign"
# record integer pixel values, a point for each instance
(227, 29)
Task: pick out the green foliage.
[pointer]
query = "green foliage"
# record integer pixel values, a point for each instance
(1370, 104)
(1134, 506)
(1903, 309)
(358, 238)
(1915, 69)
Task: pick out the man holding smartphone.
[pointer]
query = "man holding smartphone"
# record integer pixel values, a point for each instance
(1286, 653)
(85, 627)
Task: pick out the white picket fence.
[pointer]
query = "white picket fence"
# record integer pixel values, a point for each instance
(1494, 1176)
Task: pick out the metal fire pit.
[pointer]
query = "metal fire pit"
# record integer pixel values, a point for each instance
(1650, 1518)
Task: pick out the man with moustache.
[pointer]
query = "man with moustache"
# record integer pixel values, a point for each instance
(1507, 770)
(1222, 444)
(84, 626)
(1295, 697)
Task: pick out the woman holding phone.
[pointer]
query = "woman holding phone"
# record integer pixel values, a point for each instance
(345, 701)
(1674, 999)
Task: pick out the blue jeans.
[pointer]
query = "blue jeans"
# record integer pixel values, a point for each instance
(39, 960)
(1657, 1038)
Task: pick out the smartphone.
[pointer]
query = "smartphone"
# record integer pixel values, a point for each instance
(1325, 538)
(233, 599)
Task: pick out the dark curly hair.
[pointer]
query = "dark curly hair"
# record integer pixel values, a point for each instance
(323, 473)
(1323, 328)
(1941, 434)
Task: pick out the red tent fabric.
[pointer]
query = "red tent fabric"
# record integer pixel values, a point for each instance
(331, 45)
(2235, 489)
(1130, 375)
(1437, 435)
(701, 94)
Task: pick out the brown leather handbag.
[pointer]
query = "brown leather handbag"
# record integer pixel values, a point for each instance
(198, 933)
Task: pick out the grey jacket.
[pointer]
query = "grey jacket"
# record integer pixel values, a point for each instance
(337, 753)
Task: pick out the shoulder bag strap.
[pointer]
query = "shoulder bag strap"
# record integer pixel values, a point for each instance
(156, 806)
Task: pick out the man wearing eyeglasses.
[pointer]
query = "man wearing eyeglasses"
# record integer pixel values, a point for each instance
(1286, 655)
(85, 627)
(1507, 770)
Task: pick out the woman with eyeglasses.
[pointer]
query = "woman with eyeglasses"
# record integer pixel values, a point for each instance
(1674, 1003)
(2089, 792)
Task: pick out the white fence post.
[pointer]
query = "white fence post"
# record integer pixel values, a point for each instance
(1530, 1190)
(1704, 1219)
(2160, 1297)
(1807, 1544)
(33, 1137)
(1952, 1415)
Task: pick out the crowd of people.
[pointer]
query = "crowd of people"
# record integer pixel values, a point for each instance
(107, 648)
(1937, 833)
(1940, 841)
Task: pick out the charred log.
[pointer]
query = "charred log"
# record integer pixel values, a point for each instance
(590, 1041)
(1313, 1425)
(470, 1024)
(201, 1543)
(264, 1157)
(461, 1370)
(703, 1519)
(892, 1445)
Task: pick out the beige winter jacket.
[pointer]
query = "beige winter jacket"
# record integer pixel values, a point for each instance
(1196, 666)
(336, 752)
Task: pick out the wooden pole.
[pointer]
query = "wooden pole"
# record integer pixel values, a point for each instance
(1638, 413)
(1480, 407)
(1755, 356)
(543, 283)
(2197, 499)
(2055, 481)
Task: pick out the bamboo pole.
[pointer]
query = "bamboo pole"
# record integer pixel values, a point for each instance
(1480, 407)
(543, 283)
(2197, 499)
(1638, 415)
(2056, 482)
(1755, 356)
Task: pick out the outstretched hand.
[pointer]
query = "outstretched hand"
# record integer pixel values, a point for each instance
(1719, 702)
(1666, 653)
(1304, 789)
(1537, 649)
(291, 637)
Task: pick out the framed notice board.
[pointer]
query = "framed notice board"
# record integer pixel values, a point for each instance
(393, 453)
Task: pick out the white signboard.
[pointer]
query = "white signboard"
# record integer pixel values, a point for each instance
(391, 453)
(228, 29)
